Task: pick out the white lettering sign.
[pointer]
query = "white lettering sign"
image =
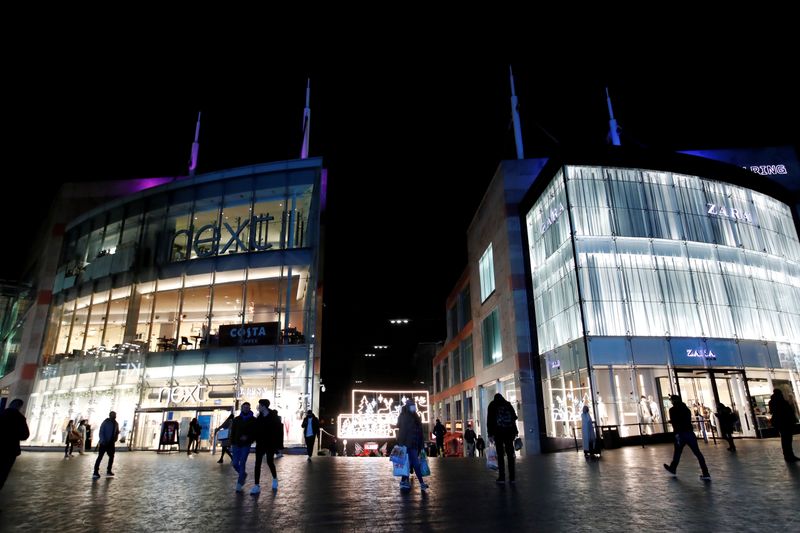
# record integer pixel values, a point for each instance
(729, 212)
(551, 218)
(181, 394)
(768, 170)
(701, 353)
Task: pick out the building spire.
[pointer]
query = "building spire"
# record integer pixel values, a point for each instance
(195, 147)
(306, 122)
(613, 132)
(515, 118)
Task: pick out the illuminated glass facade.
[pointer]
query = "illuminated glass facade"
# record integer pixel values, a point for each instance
(647, 283)
(185, 300)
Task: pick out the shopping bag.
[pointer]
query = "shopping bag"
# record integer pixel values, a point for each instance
(401, 469)
(399, 455)
(424, 469)
(222, 434)
(491, 457)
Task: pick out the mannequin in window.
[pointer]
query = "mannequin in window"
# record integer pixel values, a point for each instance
(602, 416)
(645, 415)
(654, 411)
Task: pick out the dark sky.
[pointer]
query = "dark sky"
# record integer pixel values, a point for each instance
(410, 142)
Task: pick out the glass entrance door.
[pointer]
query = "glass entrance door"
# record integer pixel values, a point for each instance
(698, 394)
(731, 392)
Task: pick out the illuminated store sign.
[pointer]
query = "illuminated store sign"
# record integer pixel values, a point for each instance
(551, 218)
(181, 394)
(701, 353)
(249, 334)
(731, 212)
(374, 413)
(768, 170)
(206, 240)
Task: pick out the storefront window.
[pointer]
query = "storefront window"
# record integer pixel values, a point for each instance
(269, 211)
(206, 222)
(165, 314)
(236, 217)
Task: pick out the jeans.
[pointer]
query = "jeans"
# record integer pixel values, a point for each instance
(413, 463)
(470, 449)
(505, 444)
(68, 448)
(104, 449)
(240, 454)
(687, 438)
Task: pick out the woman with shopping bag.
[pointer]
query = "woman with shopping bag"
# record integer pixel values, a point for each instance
(411, 436)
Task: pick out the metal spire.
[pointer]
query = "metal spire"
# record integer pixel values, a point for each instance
(195, 147)
(515, 118)
(306, 122)
(612, 123)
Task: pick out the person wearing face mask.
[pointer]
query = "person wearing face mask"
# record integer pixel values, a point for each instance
(311, 431)
(268, 434)
(243, 433)
(411, 436)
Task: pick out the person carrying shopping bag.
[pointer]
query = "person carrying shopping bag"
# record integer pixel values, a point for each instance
(411, 436)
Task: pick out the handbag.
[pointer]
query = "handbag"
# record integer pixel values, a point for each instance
(223, 434)
(518, 444)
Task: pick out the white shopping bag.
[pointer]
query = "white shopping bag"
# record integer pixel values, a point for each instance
(491, 457)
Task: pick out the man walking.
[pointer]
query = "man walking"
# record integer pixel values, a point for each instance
(469, 439)
(438, 432)
(681, 419)
(268, 434)
(243, 433)
(108, 435)
(501, 426)
(13, 428)
(311, 431)
(783, 419)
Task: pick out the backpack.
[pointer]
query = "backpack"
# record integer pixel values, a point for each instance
(505, 416)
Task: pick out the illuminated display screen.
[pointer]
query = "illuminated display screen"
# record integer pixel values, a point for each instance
(374, 413)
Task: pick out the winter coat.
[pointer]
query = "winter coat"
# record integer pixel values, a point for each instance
(783, 417)
(587, 430)
(314, 425)
(438, 431)
(109, 432)
(243, 431)
(491, 419)
(681, 418)
(13, 428)
(269, 431)
(410, 432)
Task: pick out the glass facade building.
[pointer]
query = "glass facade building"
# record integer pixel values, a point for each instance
(647, 283)
(184, 300)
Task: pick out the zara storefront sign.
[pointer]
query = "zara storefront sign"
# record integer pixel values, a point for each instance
(730, 212)
(701, 353)
(181, 394)
(551, 218)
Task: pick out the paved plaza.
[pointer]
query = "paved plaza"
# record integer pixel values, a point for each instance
(627, 490)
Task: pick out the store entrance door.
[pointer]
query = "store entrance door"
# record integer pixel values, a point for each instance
(702, 390)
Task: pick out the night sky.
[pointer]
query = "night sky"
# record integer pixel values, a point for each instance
(410, 144)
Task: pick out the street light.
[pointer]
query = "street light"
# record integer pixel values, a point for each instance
(398, 321)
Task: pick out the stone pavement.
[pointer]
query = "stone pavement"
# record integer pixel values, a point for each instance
(627, 490)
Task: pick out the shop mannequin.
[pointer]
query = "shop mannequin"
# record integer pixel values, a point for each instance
(645, 415)
(601, 411)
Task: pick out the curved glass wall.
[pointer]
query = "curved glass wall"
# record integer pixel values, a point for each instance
(206, 286)
(672, 270)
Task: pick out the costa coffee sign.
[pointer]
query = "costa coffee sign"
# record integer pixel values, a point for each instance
(250, 334)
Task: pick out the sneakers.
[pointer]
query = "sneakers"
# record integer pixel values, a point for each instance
(239, 487)
(256, 489)
(670, 470)
(274, 484)
(405, 485)
(110, 473)
(423, 486)
(309, 459)
(96, 475)
(705, 476)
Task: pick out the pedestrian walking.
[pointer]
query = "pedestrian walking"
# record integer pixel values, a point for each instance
(223, 433)
(82, 433)
(438, 433)
(268, 434)
(588, 433)
(783, 419)
(107, 436)
(243, 434)
(71, 438)
(725, 418)
(502, 428)
(193, 437)
(411, 436)
(469, 439)
(480, 445)
(310, 427)
(13, 429)
(681, 419)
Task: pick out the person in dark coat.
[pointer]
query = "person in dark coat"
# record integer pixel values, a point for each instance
(469, 439)
(501, 425)
(268, 436)
(225, 443)
(13, 429)
(725, 417)
(108, 435)
(438, 432)
(411, 436)
(243, 434)
(193, 437)
(681, 419)
(310, 427)
(480, 445)
(783, 419)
